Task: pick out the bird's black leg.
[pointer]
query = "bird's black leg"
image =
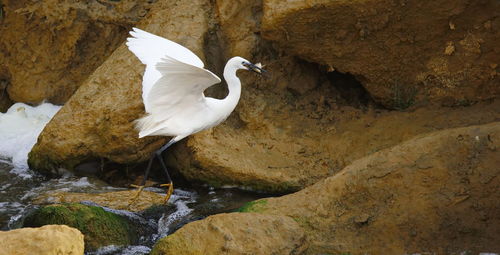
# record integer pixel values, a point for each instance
(170, 185)
(143, 182)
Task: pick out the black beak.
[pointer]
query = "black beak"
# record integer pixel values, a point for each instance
(255, 68)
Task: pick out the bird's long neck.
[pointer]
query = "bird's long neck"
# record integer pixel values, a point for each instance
(234, 86)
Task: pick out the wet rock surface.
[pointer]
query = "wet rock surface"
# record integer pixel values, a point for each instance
(46, 240)
(119, 200)
(100, 228)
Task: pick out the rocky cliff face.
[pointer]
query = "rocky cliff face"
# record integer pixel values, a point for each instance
(48, 48)
(383, 113)
(403, 52)
(301, 124)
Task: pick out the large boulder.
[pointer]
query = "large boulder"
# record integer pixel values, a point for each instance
(283, 150)
(98, 119)
(436, 193)
(46, 240)
(297, 126)
(235, 233)
(48, 48)
(100, 228)
(289, 130)
(119, 200)
(403, 52)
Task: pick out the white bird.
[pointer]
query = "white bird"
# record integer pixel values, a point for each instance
(172, 92)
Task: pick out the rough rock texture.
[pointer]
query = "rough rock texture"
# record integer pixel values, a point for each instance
(98, 119)
(291, 149)
(290, 130)
(46, 240)
(118, 200)
(299, 125)
(48, 48)
(434, 193)
(99, 227)
(235, 233)
(404, 52)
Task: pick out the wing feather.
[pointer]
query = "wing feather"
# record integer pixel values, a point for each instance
(150, 49)
(180, 87)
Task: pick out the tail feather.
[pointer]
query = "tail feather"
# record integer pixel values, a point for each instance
(146, 125)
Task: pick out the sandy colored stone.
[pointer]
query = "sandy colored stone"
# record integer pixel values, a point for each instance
(119, 200)
(48, 48)
(235, 233)
(46, 240)
(434, 193)
(291, 129)
(295, 127)
(396, 48)
(289, 150)
(98, 119)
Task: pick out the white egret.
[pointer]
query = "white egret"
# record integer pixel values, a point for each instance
(172, 92)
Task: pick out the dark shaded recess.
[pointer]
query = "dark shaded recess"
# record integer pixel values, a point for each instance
(5, 101)
(350, 90)
(122, 175)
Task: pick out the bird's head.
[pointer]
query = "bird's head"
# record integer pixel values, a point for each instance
(242, 63)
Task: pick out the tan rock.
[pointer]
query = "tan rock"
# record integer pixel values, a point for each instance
(46, 240)
(293, 128)
(49, 48)
(288, 131)
(235, 233)
(98, 119)
(434, 193)
(119, 200)
(289, 150)
(381, 43)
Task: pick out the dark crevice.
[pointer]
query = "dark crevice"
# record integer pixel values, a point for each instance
(350, 90)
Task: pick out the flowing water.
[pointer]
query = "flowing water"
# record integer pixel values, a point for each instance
(186, 204)
(19, 129)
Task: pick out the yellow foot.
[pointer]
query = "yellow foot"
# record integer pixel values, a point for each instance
(169, 191)
(134, 198)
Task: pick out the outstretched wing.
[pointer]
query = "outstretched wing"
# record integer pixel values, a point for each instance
(150, 49)
(180, 88)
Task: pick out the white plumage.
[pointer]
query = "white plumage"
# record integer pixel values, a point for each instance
(172, 92)
(173, 85)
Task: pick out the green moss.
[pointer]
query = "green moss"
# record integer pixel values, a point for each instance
(254, 206)
(99, 227)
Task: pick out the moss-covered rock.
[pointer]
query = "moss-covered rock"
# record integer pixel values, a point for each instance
(253, 206)
(99, 227)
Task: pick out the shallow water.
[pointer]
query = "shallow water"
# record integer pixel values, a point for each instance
(19, 130)
(186, 204)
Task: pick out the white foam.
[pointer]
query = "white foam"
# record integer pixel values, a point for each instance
(181, 199)
(20, 127)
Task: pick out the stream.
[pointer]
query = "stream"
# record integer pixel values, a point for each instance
(20, 127)
(186, 204)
